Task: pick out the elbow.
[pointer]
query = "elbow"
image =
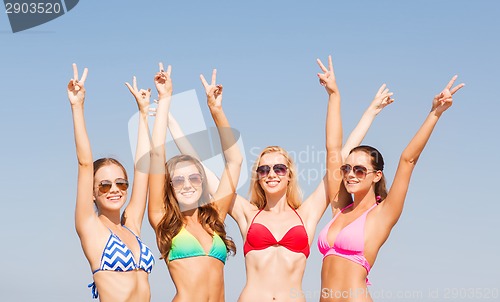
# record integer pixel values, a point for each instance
(236, 160)
(85, 163)
(408, 159)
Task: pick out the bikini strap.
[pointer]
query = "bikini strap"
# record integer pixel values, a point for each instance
(130, 231)
(349, 205)
(371, 208)
(256, 216)
(298, 215)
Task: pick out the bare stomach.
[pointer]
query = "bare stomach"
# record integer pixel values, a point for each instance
(123, 286)
(343, 280)
(274, 274)
(198, 279)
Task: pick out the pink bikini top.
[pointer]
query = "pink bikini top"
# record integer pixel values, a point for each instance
(350, 241)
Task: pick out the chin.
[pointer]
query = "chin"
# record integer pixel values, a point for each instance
(188, 205)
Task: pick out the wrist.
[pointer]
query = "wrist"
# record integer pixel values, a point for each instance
(333, 97)
(77, 106)
(215, 110)
(165, 97)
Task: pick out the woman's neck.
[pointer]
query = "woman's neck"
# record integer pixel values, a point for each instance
(364, 201)
(276, 202)
(190, 216)
(110, 220)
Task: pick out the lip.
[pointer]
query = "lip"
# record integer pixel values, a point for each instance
(351, 182)
(114, 197)
(272, 183)
(188, 193)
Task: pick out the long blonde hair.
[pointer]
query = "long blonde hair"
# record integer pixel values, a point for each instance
(293, 193)
(173, 220)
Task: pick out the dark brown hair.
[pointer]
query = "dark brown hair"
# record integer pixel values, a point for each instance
(378, 164)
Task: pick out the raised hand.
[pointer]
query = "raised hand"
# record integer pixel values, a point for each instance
(213, 91)
(142, 96)
(444, 100)
(327, 78)
(381, 99)
(76, 88)
(163, 82)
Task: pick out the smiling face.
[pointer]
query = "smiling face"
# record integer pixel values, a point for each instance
(273, 182)
(360, 183)
(189, 191)
(115, 198)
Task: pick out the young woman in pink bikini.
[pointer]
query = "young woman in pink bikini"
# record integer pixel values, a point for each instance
(276, 227)
(351, 241)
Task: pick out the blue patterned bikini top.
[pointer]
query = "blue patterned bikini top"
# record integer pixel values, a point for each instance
(118, 257)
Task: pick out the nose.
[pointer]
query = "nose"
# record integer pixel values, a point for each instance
(272, 174)
(187, 183)
(114, 188)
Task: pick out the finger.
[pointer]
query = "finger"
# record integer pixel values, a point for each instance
(161, 66)
(381, 89)
(75, 72)
(134, 82)
(169, 70)
(212, 90)
(458, 87)
(323, 68)
(203, 81)
(214, 76)
(129, 87)
(330, 64)
(84, 75)
(450, 84)
(219, 89)
(322, 77)
(71, 85)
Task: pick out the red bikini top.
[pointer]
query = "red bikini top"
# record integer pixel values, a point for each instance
(259, 238)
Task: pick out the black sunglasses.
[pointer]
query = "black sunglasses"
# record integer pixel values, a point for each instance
(279, 169)
(359, 171)
(105, 185)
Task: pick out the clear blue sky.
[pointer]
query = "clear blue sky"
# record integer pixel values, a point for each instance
(448, 236)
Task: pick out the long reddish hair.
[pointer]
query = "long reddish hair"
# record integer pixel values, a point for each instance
(171, 223)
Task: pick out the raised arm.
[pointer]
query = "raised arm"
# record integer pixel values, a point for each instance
(185, 147)
(392, 206)
(318, 202)
(237, 208)
(134, 213)
(84, 211)
(156, 209)
(380, 101)
(225, 194)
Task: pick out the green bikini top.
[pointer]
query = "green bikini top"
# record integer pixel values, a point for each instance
(185, 245)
